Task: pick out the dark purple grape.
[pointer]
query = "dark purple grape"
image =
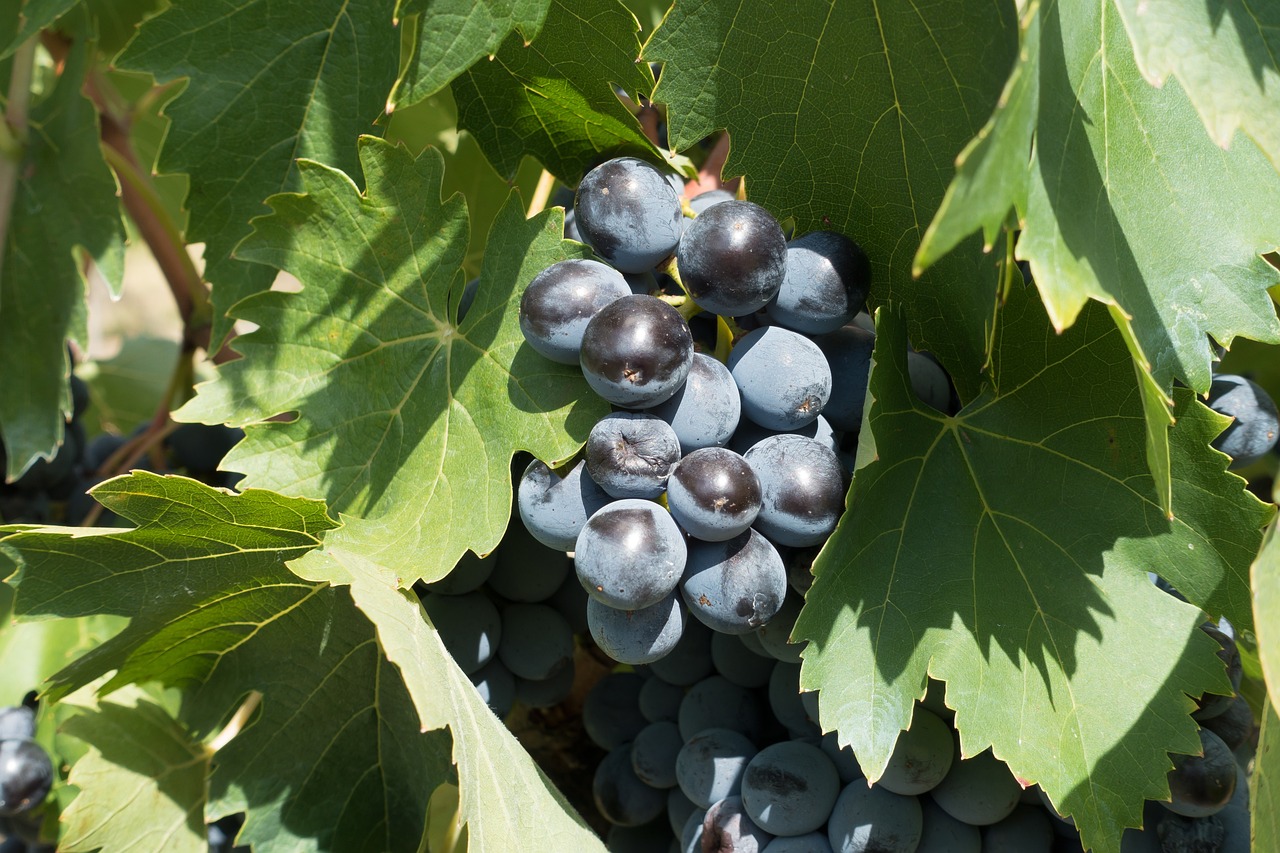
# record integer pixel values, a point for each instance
(638, 636)
(561, 300)
(866, 819)
(786, 702)
(525, 569)
(636, 352)
(737, 663)
(469, 625)
(802, 488)
(536, 643)
(1234, 726)
(653, 754)
(1213, 704)
(496, 686)
(921, 757)
(848, 352)
(734, 586)
(1256, 425)
(749, 434)
(775, 635)
(545, 692)
(713, 494)
(784, 378)
(554, 509)
(26, 774)
(690, 661)
(629, 213)
(702, 201)
(707, 408)
(679, 808)
(717, 703)
(660, 700)
(733, 258)
(467, 576)
(1201, 785)
(631, 454)
(630, 554)
(929, 381)
(611, 710)
(979, 791)
(620, 795)
(728, 828)
(827, 281)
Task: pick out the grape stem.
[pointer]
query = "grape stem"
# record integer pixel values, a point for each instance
(687, 307)
(13, 135)
(542, 192)
(238, 721)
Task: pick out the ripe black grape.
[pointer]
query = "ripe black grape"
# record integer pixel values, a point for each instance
(789, 788)
(553, 508)
(1256, 424)
(734, 586)
(827, 281)
(641, 635)
(714, 494)
(627, 211)
(636, 352)
(561, 300)
(630, 554)
(26, 774)
(733, 258)
(784, 378)
(631, 454)
(802, 488)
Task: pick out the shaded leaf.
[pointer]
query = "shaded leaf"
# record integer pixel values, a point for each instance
(35, 16)
(849, 116)
(41, 289)
(554, 99)
(1004, 551)
(270, 82)
(406, 418)
(448, 36)
(142, 783)
(216, 612)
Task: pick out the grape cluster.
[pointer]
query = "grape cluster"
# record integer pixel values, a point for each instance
(721, 751)
(26, 775)
(691, 496)
(55, 490)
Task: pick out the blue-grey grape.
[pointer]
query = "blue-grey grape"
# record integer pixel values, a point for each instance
(631, 454)
(944, 834)
(691, 834)
(842, 757)
(630, 554)
(660, 700)
(469, 625)
(653, 754)
(690, 661)
(561, 300)
(545, 692)
(536, 641)
(706, 410)
(827, 281)
(873, 820)
(620, 795)
(728, 828)
(642, 635)
(921, 757)
(628, 212)
(570, 601)
(26, 774)
(749, 434)
(785, 701)
(978, 790)
(611, 712)
(717, 703)
(467, 576)
(848, 352)
(636, 352)
(789, 788)
(734, 586)
(17, 723)
(710, 765)
(1211, 705)
(737, 663)
(810, 842)
(1256, 424)
(784, 378)
(1233, 725)
(929, 381)
(713, 494)
(802, 489)
(702, 201)
(775, 635)
(733, 257)
(525, 569)
(1027, 830)
(496, 686)
(555, 508)
(679, 808)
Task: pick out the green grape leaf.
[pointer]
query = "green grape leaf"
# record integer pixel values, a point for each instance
(554, 99)
(1005, 551)
(1266, 612)
(1120, 175)
(41, 289)
(270, 82)
(848, 116)
(35, 16)
(1226, 55)
(501, 787)
(447, 36)
(406, 419)
(1264, 787)
(216, 612)
(30, 652)
(142, 783)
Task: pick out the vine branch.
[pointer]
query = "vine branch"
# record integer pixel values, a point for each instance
(13, 136)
